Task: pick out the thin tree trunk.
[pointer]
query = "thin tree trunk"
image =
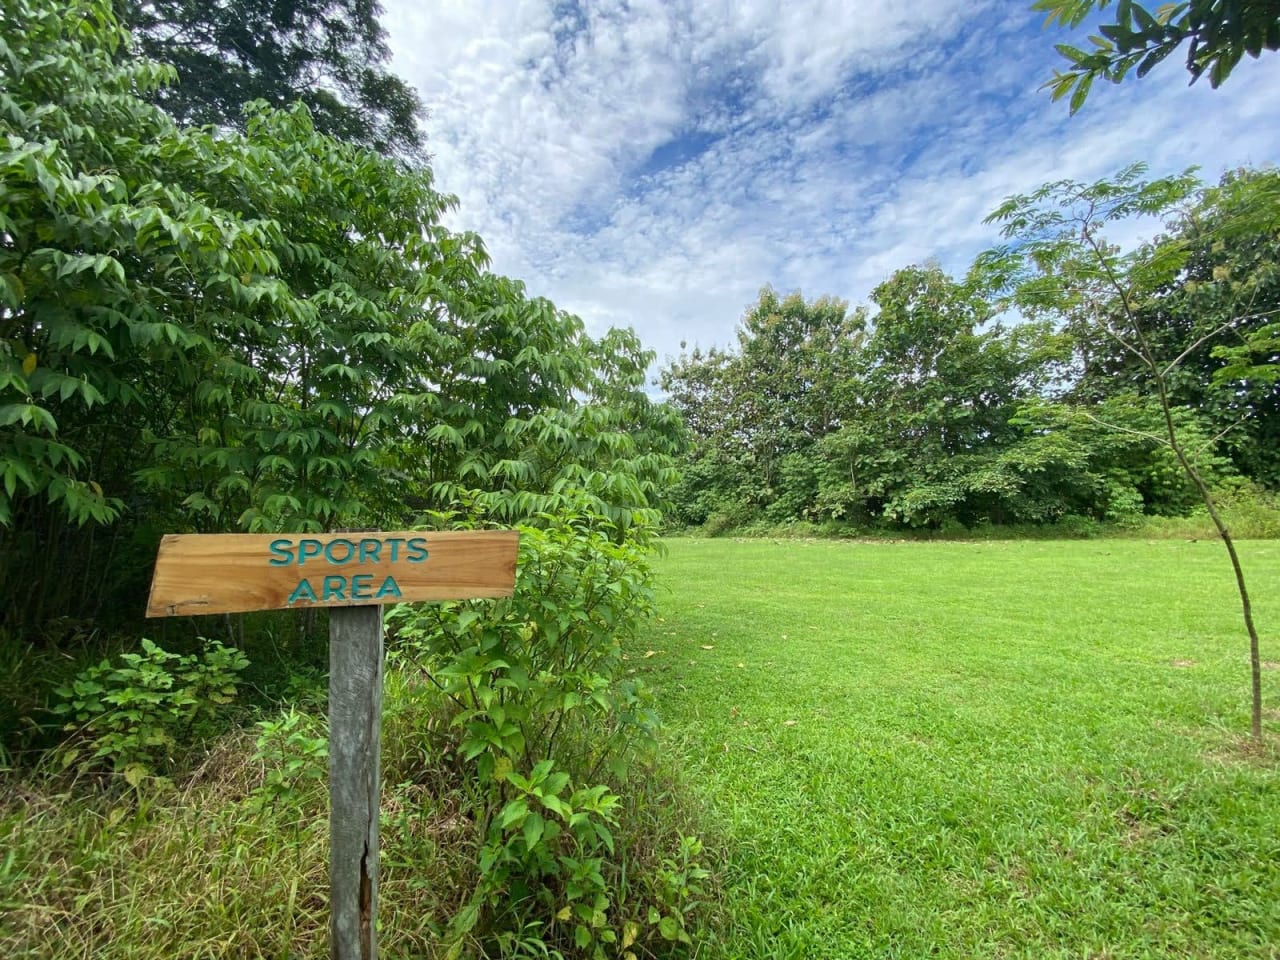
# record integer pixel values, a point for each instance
(1255, 660)
(1144, 353)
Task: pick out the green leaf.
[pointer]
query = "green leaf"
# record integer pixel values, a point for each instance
(1082, 92)
(1074, 54)
(533, 829)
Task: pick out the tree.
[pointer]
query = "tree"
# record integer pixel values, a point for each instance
(1230, 282)
(330, 54)
(1061, 262)
(1217, 35)
(930, 408)
(756, 413)
(267, 330)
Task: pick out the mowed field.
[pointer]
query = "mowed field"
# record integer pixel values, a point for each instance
(1032, 749)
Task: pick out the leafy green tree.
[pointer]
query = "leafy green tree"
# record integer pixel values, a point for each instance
(930, 407)
(1230, 284)
(1217, 34)
(714, 470)
(755, 413)
(1060, 262)
(330, 54)
(792, 356)
(266, 330)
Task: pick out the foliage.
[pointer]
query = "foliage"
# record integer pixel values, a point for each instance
(293, 755)
(754, 414)
(330, 54)
(264, 330)
(1225, 302)
(236, 860)
(948, 403)
(1217, 35)
(545, 729)
(133, 716)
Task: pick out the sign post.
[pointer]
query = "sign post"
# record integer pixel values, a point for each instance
(356, 574)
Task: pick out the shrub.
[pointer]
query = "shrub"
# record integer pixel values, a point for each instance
(130, 716)
(544, 729)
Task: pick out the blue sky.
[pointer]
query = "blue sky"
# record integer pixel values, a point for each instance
(653, 164)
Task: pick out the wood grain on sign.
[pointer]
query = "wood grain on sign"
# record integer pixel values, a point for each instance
(238, 572)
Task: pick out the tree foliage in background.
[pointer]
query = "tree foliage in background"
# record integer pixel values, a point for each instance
(330, 54)
(1217, 34)
(754, 415)
(931, 410)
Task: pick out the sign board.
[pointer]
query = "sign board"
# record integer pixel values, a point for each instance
(237, 572)
(357, 573)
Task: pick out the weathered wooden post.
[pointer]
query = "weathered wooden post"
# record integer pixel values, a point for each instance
(355, 754)
(356, 574)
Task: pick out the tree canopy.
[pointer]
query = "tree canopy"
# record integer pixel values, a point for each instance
(330, 54)
(998, 397)
(1216, 34)
(266, 330)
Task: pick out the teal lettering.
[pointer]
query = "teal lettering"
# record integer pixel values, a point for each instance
(281, 553)
(361, 584)
(417, 550)
(308, 548)
(335, 588)
(328, 551)
(302, 591)
(370, 550)
(395, 547)
(389, 588)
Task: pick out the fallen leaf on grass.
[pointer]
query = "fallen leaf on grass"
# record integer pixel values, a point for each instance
(649, 653)
(789, 723)
(708, 646)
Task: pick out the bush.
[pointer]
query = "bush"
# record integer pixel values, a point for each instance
(728, 519)
(1250, 513)
(544, 729)
(131, 716)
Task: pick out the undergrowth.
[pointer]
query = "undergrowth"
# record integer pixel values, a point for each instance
(525, 810)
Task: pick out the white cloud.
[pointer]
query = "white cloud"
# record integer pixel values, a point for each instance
(653, 164)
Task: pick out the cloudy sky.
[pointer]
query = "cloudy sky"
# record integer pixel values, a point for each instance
(653, 164)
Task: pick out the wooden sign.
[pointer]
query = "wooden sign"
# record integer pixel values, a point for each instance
(358, 573)
(237, 572)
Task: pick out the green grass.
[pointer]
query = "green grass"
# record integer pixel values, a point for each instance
(901, 749)
(975, 750)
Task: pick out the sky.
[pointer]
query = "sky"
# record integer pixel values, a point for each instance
(653, 164)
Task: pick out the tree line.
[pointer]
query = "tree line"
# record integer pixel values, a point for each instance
(1008, 395)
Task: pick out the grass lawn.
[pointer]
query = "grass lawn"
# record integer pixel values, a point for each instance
(1029, 749)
